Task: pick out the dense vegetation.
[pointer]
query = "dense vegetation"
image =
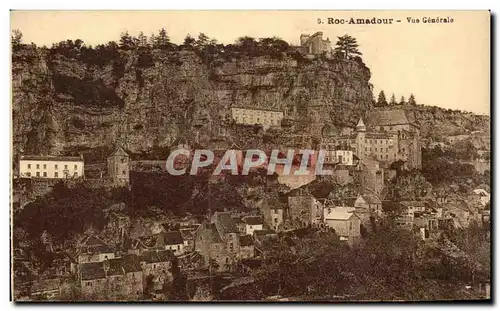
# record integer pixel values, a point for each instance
(389, 264)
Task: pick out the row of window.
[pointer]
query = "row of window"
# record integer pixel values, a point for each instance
(55, 166)
(381, 141)
(256, 120)
(44, 174)
(381, 149)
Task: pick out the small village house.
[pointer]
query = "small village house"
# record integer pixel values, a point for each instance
(252, 223)
(347, 225)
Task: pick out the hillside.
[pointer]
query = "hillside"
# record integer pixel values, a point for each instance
(70, 99)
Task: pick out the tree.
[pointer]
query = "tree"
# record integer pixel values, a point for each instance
(348, 46)
(162, 41)
(402, 101)
(189, 41)
(202, 41)
(381, 101)
(393, 100)
(142, 40)
(126, 41)
(16, 38)
(411, 100)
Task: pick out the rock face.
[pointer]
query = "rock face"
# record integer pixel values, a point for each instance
(148, 99)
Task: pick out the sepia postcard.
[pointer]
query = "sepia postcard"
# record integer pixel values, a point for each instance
(271, 156)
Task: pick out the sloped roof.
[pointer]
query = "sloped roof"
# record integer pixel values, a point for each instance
(227, 223)
(413, 203)
(119, 152)
(50, 158)
(92, 271)
(360, 123)
(371, 199)
(172, 237)
(390, 117)
(252, 220)
(93, 244)
(126, 264)
(157, 256)
(339, 215)
(246, 240)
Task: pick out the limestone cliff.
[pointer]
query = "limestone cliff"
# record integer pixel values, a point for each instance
(149, 99)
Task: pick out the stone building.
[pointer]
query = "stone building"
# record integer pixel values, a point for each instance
(391, 135)
(252, 116)
(118, 167)
(51, 167)
(303, 209)
(347, 224)
(118, 278)
(314, 44)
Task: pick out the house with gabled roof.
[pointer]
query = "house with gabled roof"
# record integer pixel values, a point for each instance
(92, 248)
(347, 225)
(370, 202)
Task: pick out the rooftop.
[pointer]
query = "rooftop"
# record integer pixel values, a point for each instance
(226, 222)
(171, 238)
(155, 256)
(338, 215)
(50, 158)
(92, 271)
(252, 220)
(371, 199)
(390, 117)
(246, 240)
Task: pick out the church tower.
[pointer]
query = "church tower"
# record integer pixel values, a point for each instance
(118, 167)
(360, 138)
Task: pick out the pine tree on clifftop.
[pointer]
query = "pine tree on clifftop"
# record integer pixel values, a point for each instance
(393, 100)
(162, 40)
(411, 100)
(347, 46)
(402, 101)
(381, 101)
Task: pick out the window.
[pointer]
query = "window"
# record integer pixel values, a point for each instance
(45, 166)
(55, 166)
(37, 174)
(29, 165)
(65, 166)
(178, 247)
(28, 174)
(76, 174)
(38, 166)
(375, 149)
(386, 156)
(154, 266)
(250, 227)
(76, 167)
(350, 226)
(275, 220)
(44, 174)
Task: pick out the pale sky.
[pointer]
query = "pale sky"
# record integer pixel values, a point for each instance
(445, 65)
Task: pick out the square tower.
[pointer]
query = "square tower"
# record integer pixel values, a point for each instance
(118, 167)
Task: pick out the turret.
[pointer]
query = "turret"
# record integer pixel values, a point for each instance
(361, 126)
